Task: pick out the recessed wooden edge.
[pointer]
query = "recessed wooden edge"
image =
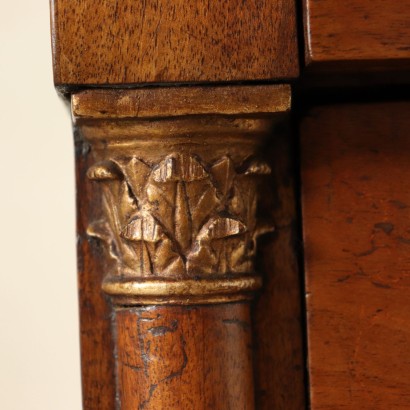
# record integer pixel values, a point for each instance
(181, 101)
(369, 45)
(181, 292)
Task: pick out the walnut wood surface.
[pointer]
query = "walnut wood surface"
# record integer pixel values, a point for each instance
(180, 101)
(174, 357)
(97, 347)
(128, 42)
(356, 213)
(279, 359)
(357, 35)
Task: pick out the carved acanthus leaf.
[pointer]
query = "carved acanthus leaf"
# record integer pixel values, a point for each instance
(179, 167)
(223, 172)
(257, 167)
(221, 227)
(142, 228)
(180, 217)
(104, 170)
(100, 229)
(136, 173)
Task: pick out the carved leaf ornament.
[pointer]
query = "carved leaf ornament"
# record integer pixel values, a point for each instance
(178, 218)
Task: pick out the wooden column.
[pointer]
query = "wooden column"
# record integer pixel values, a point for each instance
(176, 176)
(172, 138)
(178, 357)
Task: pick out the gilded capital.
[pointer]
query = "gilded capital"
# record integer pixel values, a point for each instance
(179, 189)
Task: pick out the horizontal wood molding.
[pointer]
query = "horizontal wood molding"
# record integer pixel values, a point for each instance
(155, 102)
(129, 42)
(355, 36)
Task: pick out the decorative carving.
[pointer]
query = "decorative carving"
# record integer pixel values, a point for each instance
(180, 217)
(177, 176)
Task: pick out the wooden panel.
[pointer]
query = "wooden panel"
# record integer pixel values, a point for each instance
(97, 348)
(279, 361)
(356, 210)
(128, 41)
(357, 35)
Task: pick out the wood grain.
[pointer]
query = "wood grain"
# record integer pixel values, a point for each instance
(357, 35)
(181, 101)
(194, 358)
(279, 359)
(129, 42)
(356, 210)
(97, 348)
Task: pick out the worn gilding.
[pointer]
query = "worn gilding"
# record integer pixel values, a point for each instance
(179, 204)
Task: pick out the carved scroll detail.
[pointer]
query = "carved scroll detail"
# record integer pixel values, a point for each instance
(179, 218)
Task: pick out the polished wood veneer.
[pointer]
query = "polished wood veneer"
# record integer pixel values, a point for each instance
(129, 42)
(356, 214)
(356, 36)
